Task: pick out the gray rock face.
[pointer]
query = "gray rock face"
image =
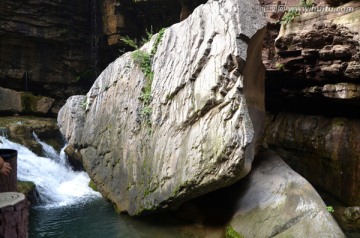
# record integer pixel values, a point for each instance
(277, 202)
(23, 102)
(207, 106)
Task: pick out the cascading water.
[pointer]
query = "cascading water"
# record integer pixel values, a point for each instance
(51, 153)
(71, 208)
(56, 184)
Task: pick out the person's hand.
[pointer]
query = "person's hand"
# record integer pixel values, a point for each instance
(6, 169)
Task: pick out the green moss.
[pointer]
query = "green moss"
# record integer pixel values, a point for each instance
(157, 41)
(84, 104)
(25, 187)
(29, 102)
(289, 16)
(231, 233)
(92, 185)
(143, 59)
(279, 66)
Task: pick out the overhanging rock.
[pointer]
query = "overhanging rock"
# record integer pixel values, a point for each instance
(197, 132)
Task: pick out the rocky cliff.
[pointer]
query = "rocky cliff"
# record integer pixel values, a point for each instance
(315, 71)
(46, 47)
(153, 138)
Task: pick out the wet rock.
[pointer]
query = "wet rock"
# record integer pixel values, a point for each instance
(197, 133)
(19, 129)
(74, 158)
(323, 150)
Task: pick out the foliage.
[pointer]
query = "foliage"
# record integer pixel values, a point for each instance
(231, 233)
(149, 34)
(292, 13)
(133, 43)
(306, 3)
(330, 209)
(157, 41)
(143, 59)
(289, 16)
(25, 187)
(93, 186)
(84, 104)
(279, 66)
(129, 42)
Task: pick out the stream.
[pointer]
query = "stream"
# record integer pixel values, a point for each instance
(71, 209)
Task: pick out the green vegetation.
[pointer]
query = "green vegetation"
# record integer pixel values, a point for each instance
(92, 185)
(85, 75)
(292, 13)
(143, 59)
(289, 16)
(29, 102)
(306, 3)
(84, 104)
(157, 41)
(330, 209)
(25, 187)
(129, 42)
(231, 233)
(279, 66)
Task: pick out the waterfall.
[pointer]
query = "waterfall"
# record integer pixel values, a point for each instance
(51, 153)
(4, 132)
(56, 184)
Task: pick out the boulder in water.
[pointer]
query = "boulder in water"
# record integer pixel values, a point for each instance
(155, 135)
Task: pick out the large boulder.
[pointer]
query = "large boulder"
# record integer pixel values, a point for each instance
(198, 130)
(23, 102)
(271, 201)
(274, 201)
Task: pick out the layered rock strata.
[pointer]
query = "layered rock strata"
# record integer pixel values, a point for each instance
(316, 60)
(198, 130)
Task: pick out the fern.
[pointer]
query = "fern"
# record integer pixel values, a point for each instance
(130, 42)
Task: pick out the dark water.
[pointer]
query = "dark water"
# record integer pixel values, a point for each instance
(97, 219)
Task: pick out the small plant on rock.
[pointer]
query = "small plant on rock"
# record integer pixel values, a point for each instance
(279, 66)
(289, 16)
(330, 209)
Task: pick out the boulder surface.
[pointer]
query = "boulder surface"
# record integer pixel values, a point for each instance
(275, 201)
(153, 140)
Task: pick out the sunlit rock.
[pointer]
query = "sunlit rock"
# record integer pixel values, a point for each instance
(198, 130)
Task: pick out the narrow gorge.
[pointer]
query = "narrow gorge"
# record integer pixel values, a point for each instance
(236, 118)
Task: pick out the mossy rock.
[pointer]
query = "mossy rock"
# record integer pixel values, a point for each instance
(231, 233)
(93, 186)
(25, 187)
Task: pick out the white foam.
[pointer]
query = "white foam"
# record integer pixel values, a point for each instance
(56, 184)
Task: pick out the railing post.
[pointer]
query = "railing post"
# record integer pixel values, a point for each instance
(8, 183)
